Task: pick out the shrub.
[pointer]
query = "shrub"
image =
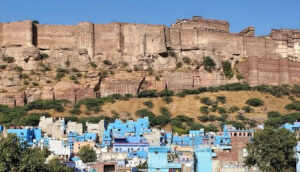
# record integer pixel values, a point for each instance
(247, 109)
(161, 120)
(293, 106)
(168, 100)
(150, 70)
(146, 113)
(46, 104)
(35, 84)
(211, 128)
(149, 104)
(74, 69)
(59, 76)
(157, 78)
(25, 82)
(24, 76)
(61, 70)
(48, 81)
(180, 94)
(78, 75)
(93, 64)
(165, 111)
(221, 99)
(147, 93)
(107, 62)
(236, 124)
(129, 70)
(43, 56)
(8, 59)
(239, 77)
(209, 64)
(187, 60)
(33, 119)
(197, 126)
(166, 93)
(254, 102)
(222, 118)
(233, 109)
(19, 69)
(207, 118)
(240, 117)
(32, 72)
(206, 100)
(221, 110)
(204, 110)
(2, 66)
(274, 114)
(72, 77)
(178, 64)
(214, 108)
(226, 65)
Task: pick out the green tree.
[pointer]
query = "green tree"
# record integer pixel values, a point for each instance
(209, 64)
(11, 153)
(272, 151)
(54, 165)
(87, 154)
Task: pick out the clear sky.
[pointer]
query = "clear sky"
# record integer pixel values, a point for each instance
(262, 14)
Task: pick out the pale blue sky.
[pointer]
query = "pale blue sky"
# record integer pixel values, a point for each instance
(263, 14)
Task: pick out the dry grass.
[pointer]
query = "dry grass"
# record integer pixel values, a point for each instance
(189, 105)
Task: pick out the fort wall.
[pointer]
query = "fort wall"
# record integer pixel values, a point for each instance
(1, 34)
(258, 71)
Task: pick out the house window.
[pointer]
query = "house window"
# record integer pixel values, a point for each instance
(156, 152)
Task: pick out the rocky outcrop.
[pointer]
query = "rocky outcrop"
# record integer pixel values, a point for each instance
(104, 59)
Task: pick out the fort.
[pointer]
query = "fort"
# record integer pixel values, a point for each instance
(272, 59)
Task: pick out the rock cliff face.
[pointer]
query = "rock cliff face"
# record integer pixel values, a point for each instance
(89, 60)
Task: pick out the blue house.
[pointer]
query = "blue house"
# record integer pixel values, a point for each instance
(223, 141)
(193, 139)
(119, 129)
(203, 159)
(292, 127)
(158, 160)
(74, 137)
(30, 135)
(134, 146)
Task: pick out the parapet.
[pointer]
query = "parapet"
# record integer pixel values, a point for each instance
(248, 32)
(202, 23)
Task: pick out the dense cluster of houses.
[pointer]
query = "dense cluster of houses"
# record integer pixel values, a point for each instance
(124, 146)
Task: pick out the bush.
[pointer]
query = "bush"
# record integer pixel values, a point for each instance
(240, 117)
(187, 60)
(147, 93)
(74, 69)
(165, 111)
(222, 118)
(78, 75)
(239, 77)
(221, 99)
(150, 70)
(59, 76)
(233, 109)
(274, 114)
(207, 118)
(180, 94)
(72, 77)
(293, 106)
(25, 82)
(61, 70)
(247, 109)
(197, 126)
(211, 128)
(2, 66)
(209, 64)
(161, 120)
(146, 113)
(8, 59)
(254, 102)
(129, 70)
(166, 93)
(107, 62)
(93, 64)
(236, 124)
(23, 76)
(67, 63)
(35, 84)
(19, 69)
(32, 72)
(227, 69)
(46, 104)
(43, 56)
(178, 64)
(222, 110)
(48, 81)
(204, 110)
(168, 100)
(149, 104)
(206, 100)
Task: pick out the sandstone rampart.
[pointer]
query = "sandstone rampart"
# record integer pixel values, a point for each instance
(142, 56)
